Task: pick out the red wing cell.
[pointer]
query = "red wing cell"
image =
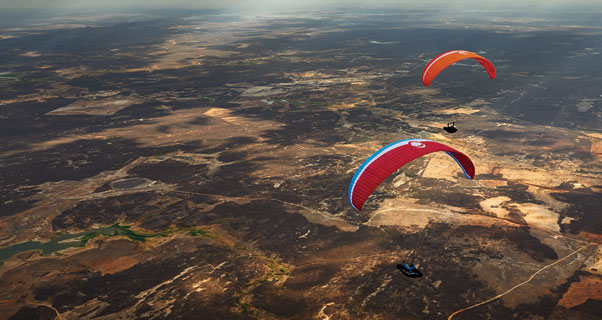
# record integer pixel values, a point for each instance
(389, 159)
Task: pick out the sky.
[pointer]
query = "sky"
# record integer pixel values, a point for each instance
(293, 4)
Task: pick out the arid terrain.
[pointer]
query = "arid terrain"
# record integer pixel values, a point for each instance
(195, 165)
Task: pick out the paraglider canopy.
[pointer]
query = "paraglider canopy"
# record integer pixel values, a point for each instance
(392, 157)
(446, 59)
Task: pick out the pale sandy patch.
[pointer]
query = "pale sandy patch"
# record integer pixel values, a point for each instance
(366, 148)
(535, 176)
(327, 219)
(596, 266)
(460, 110)
(406, 217)
(584, 106)
(216, 53)
(594, 135)
(30, 54)
(261, 91)
(152, 132)
(493, 205)
(223, 114)
(442, 166)
(492, 183)
(312, 74)
(566, 220)
(438, 136)
(350, 104)
(539, 216)
(596, 147)
(71, 72)
(180, 52)
(340, 106)
(477, 102)
(100, 107)
(217, 112)
(407, 213)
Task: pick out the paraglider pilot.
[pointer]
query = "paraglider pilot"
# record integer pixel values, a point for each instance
(409, 270)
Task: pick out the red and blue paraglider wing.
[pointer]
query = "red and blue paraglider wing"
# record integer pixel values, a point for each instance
(392, 157)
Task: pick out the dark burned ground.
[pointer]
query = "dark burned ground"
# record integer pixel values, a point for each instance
(519, 237)
(93, 43)
(34, 312)
(447, 259)
(260, 224)
(77, 160)
(178, 264)
(589, 310)
(546, 307)
(262, 257)
(585, 208)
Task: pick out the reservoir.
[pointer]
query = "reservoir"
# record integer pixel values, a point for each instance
(80, 239)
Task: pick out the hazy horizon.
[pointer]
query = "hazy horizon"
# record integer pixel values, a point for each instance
(307, 4)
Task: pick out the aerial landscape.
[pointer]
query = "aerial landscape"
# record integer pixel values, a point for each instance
(195, 163)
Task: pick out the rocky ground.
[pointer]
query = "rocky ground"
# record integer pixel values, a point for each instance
(250, 129)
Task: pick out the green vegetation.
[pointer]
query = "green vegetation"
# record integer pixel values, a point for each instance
(23, 76)
(199, 232)
(295, 103)
(9, 76)
(211, 99)
(89, 236)
(277, 271)
(64, 240)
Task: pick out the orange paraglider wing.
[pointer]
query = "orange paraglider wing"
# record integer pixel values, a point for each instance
(446, 59)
